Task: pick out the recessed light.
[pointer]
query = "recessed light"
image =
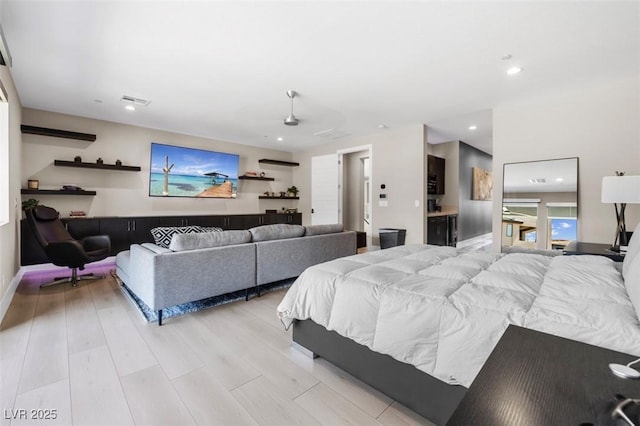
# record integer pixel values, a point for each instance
(98, 101)
(506, 57)
(130, 108)
(382, 126)
(514, 70)
(473, 127)
(559, 179)
(279, 139)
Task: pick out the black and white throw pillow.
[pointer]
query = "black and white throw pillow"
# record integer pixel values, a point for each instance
(163, 234)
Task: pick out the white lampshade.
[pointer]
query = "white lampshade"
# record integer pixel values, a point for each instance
(621, 189)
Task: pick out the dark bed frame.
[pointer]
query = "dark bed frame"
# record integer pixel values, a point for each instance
(424, 394)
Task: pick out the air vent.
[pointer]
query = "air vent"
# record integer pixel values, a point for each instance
(538, 180)
(332, 133)
(135, 101)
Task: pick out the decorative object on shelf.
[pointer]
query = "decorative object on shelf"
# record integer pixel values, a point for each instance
(290, 211)
(262, 174)
(293, 190)
(99, 161)
(118, 163)
(33, 184)
(71, 187)
(621, 190)
(291, 120)
(250, 173)
(77, 159)
(77, 213)
(31, 202)
(283, 194)
(266, 193)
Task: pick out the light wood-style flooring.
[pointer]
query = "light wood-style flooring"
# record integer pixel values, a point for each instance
(86, 353)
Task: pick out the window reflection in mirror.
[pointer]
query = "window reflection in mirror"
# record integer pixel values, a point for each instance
(540, 204)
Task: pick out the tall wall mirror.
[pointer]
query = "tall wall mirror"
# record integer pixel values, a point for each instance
(540, 204)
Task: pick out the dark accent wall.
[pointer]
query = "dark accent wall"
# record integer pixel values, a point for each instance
(474, 217)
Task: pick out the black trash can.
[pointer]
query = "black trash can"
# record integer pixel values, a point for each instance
(391, 237)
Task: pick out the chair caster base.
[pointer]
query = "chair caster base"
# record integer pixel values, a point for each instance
(73, 279)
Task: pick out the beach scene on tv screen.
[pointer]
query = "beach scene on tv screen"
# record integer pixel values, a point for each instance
(188, 172)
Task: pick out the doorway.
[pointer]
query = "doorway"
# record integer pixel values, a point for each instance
(355, 189)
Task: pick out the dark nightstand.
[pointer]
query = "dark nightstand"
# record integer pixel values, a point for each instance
(534, 378)
(577, 248)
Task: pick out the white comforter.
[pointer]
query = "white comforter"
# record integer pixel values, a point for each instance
(444, 313)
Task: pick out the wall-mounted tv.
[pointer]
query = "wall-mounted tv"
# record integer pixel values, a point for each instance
(177, 171)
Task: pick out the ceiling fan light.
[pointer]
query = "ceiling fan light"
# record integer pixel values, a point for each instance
(291, 120)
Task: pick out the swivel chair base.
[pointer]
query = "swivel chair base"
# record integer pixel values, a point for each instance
(73, 279)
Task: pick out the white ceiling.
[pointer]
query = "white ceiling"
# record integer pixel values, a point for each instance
(221, 69)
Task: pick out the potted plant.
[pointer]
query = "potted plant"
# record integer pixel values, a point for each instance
(293, 190)
(27, 204)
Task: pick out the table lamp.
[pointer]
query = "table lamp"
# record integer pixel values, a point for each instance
(621, 190)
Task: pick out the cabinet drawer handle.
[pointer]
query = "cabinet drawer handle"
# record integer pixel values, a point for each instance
(128, 226)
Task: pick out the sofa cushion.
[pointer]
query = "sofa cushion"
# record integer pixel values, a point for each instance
(276, 232)
(323, 229)
(163, 234)
(181, 242)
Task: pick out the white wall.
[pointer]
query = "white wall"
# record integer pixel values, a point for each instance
(600, 125)
(126, 193)
(9, 243)
(396, 161)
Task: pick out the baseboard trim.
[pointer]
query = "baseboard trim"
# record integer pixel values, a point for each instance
(11, 291)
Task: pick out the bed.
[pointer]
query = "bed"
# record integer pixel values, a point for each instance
(418, 321)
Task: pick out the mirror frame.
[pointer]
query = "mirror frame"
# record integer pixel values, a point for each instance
(513, 231)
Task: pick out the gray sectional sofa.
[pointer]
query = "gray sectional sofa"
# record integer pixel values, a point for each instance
(200, 265)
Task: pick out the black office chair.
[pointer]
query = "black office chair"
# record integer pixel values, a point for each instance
(62, 249)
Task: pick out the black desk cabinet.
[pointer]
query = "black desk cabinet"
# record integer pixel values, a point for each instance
(125, 231)
(534, 378)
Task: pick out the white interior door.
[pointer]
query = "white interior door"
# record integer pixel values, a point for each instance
(324, 189)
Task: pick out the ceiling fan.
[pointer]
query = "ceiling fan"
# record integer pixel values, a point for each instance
(291, 120)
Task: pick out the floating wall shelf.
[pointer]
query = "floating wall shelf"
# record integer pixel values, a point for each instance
(255, 178)
(56, 192)
(103, 166)
(43, 131)
(278, 162)
(265, 197)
